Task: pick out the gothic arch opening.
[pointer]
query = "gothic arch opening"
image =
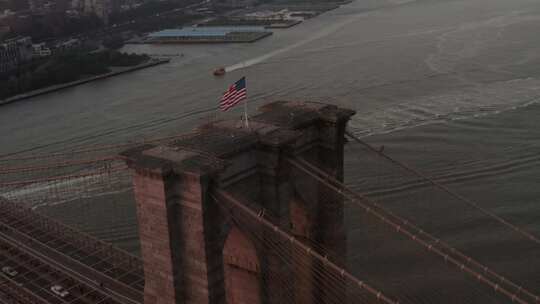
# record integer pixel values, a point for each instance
(241, 269)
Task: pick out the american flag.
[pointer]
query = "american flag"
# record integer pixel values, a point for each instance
(234, 95)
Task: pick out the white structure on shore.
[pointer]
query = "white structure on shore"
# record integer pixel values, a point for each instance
(41, 50)
(13, 52)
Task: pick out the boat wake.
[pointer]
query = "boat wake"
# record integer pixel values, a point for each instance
(463, 104)
(321, 34)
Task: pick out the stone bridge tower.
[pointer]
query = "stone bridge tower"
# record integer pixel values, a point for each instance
(193, 252)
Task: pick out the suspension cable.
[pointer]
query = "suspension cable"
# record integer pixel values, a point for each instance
(95, 148)
(61, 177)
(344, 273)
(419, 230)
(461, 198)
(8, 170)
(369, 207)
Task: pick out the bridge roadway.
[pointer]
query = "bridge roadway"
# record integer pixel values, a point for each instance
(41, 253)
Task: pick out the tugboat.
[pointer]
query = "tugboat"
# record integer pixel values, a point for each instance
(219, 72)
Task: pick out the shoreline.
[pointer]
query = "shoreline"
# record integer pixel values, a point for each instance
(150, 63)
(237, 18)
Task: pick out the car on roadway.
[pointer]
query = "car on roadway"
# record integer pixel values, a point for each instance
(9, 271)
(59, 291)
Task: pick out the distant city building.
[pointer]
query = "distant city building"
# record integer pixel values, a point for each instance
(36, 5)
(77, 5)
(102, 8)
(14, 5)
(6, 13)
(129, 5)
(14, 52)
(115, 6)
(62, 5)
(17, 23)
(4, 29)
(40, 6)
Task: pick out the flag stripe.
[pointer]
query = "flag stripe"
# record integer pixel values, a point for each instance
(234, 101)
(229, 92)
(234, 95)
(230, 105)
(229, 95)
(231, 98)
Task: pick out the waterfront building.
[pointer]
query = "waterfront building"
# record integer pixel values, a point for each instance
(14, 52)
(209, 34)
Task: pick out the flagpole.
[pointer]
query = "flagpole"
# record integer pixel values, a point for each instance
(246, 113)
(246, 107)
